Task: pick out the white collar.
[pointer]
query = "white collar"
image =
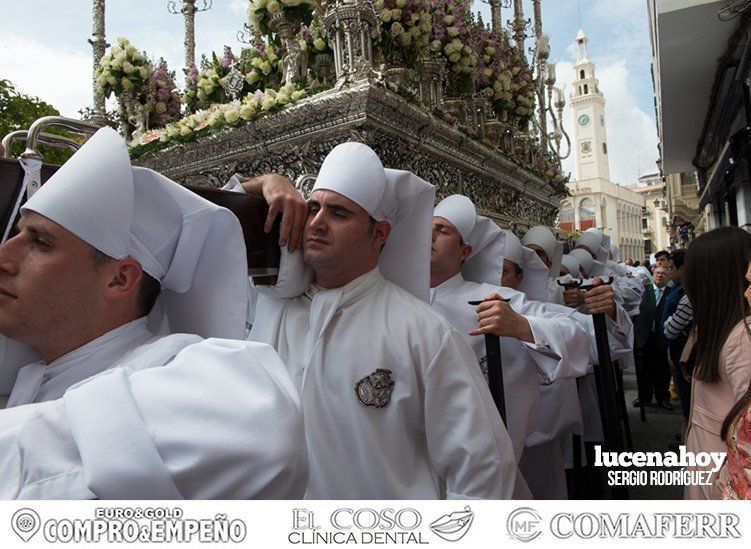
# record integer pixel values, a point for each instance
(40, 381)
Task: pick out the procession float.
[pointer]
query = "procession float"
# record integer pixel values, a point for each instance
(426, 83)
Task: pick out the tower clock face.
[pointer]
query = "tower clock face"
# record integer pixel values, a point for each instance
(583, 120)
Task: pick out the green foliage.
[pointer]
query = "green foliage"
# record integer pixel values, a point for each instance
(18, 111)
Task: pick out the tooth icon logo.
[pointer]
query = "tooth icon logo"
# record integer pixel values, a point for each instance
(454, 526)
(25, 523)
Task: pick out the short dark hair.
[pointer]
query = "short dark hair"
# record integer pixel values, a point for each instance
(662, 253)
(148, 292)
(678, 257)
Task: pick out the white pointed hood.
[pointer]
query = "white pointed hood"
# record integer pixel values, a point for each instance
(460, 211)
(400, 197)
(485, 262)
(535, 282)
(193, 247)
(543, 237)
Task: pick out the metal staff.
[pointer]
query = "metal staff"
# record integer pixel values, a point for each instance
(606, 386)
(495, 369)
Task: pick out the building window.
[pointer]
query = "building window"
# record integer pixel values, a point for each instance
(586, 89)
(566, 216)
(605, 148)
(581, 74)
(586, 214)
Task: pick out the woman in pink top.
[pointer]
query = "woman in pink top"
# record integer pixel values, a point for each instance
(737, 432)
(715, 268)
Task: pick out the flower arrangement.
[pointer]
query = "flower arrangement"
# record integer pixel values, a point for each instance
(406, 26)
(453, 38)
(522, 89)
(312, 38)
(205, 87)
(260, 11)
(163, 99)
(261, 67)
(123, 69)
(218, 117)
(493, 70)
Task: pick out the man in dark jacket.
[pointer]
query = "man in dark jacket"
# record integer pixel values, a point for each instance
(653, 370)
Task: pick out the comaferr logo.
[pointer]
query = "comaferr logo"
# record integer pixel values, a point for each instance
(524, 524)
(640, 525)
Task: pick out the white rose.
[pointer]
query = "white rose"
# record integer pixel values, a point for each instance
(268, 104)
(246, 112)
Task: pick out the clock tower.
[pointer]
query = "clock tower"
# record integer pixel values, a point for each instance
(588, 108)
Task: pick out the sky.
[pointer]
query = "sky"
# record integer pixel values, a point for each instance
(45, 53)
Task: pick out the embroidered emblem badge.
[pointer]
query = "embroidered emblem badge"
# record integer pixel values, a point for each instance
(375, 389)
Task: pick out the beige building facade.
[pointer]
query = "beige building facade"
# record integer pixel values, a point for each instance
(595, 201)
(655, 223)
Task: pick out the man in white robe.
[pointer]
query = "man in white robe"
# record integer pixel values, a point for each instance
(628, 290)
(534, 343)
(562, 411)
(394, 403)
(98, 244)
(621, 343)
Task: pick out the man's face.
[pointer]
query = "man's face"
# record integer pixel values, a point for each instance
(447, 252)
(660, 276)
(662, 261)
(339, 236)
(542, 254)
(676, 273)
(48, 281)
(509, 278)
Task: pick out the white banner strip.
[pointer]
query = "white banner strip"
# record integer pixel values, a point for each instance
(440, 524)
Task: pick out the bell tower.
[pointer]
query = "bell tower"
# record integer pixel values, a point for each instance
(588, 109)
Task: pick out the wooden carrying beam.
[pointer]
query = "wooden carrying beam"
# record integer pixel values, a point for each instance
(262, 249)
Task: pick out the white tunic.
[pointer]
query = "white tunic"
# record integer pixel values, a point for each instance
(182, 418)
(559, 351)
(39, 381)
(438, 432)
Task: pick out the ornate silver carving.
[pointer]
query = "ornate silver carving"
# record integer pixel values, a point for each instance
(349, 25)
(98, 43)
(233, 84)
(295, 141)
(375, 389)
(189, 10)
